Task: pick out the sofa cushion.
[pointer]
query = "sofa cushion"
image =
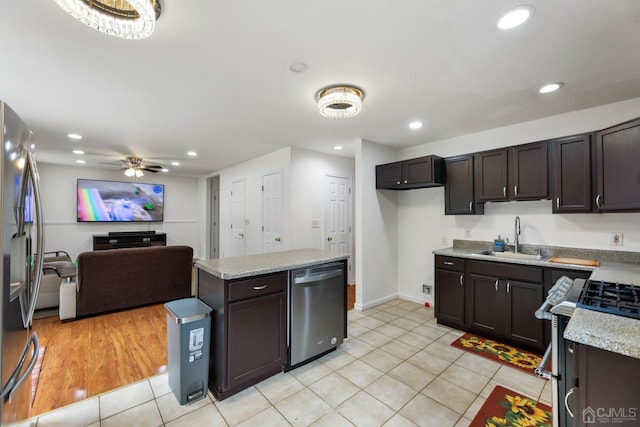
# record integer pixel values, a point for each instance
(115, 279)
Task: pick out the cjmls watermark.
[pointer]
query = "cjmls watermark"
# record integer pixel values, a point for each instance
(609, 415)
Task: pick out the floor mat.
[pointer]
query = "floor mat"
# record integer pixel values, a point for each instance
(505, 407)
(498, 352)
(35, 373)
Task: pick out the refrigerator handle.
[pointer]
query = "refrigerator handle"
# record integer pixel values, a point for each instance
(30, 171)
(14, 383)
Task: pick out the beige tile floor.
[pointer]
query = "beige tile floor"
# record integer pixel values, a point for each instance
(395, 369)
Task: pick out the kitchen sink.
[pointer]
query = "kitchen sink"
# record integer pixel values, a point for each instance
(513, 255)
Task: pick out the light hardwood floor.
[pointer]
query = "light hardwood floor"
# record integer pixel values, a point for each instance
(87, 357)
(90, 356)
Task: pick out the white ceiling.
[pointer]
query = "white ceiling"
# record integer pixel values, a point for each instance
(214, 76)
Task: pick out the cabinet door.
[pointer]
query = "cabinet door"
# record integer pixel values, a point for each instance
(257, 341)
(491, 175)
(388, 175)
(459, 187)
(617, 167)
(416, 171)
(486, 305)
(530, 179)
(571, 174)
(523, 299)
(450, 297)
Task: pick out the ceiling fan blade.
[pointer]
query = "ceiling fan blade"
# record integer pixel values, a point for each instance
(149, 170)
(152, 166)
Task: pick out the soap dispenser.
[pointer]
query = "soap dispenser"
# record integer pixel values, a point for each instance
(498, 244)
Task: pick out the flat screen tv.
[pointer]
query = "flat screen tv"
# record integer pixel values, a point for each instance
(115, 201)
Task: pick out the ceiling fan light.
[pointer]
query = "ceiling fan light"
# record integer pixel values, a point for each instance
(139, 173)
(130, 172)
(340, 102)
(130, 19)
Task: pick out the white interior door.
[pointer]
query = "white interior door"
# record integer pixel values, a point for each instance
(338, 216)
(237, 218)
(272, 212)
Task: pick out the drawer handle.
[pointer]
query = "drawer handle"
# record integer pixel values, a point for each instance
(557, 202)
(508, 287)
(496, 285)
(259, 288)
(448, 263)
(599, 201)
(504, 191)
(462, 280)
(515, 190)
(470, 206)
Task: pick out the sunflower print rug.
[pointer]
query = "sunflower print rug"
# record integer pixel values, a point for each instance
(498, 352)
(505, 407)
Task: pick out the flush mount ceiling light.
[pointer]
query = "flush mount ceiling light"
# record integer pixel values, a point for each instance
(127, 19)
(550, 87)
(340, 102)
(514, 17)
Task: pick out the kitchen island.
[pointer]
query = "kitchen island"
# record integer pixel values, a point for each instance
(251, 297)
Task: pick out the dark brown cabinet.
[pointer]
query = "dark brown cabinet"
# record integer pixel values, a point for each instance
(492, 177)
(421, 172)
(501, 302)
(606, 389)
(449, 291)
(248, 330)
(571, 174)
(617, 167)
(459, 189)
(514, 173)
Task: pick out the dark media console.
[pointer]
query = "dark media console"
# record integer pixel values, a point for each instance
(128, 239)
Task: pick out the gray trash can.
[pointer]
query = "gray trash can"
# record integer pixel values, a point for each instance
(188, 341)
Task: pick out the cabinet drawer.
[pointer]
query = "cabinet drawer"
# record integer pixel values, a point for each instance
(506, 271)
(257, 286)
(450, 263)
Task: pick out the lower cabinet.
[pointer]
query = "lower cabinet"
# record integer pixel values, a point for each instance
(248, 329)
(606, 388)
(449, 293)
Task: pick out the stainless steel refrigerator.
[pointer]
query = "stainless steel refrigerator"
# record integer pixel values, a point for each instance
(22, 240)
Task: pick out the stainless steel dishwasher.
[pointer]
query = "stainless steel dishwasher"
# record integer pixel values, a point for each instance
(317, 312)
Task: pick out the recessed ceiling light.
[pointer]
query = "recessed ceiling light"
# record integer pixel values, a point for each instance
(337, 147)
(514, 17)
(33, 146)
(175, 163)
(415, 125)
(550, 87)
(82, 162)
(192, 153)
(164, 170)
(78, 152)
(74, 136)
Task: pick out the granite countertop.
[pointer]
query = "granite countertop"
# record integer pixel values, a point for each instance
(273, 262)
(610, 332)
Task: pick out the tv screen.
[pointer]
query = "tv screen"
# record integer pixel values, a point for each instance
(115, 201)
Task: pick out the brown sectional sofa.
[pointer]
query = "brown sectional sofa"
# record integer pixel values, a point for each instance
(116, 279)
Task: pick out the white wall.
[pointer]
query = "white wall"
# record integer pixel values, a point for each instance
(376, 230)
(303, 189)
(62, 232)
(423, 227)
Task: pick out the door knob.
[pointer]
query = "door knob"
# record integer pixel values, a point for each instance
(329, 239)
(277, 239)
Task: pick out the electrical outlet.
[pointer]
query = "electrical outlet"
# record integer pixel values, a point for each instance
(616, 238)
(426, 289)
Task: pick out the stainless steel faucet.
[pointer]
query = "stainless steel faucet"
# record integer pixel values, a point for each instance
(517, 233)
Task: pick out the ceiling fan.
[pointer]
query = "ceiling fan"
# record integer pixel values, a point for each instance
(133, 166)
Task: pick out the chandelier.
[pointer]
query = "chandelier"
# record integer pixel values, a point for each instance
(127, 19)
(340, 102)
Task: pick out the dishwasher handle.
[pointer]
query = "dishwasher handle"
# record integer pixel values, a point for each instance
(316, 277)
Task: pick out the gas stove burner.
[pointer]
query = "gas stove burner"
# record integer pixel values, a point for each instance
(614, 298)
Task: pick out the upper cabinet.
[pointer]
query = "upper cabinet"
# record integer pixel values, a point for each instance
(459, 187)
(513, 173)
(571, 174)
(617, 167)
(421, 172)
